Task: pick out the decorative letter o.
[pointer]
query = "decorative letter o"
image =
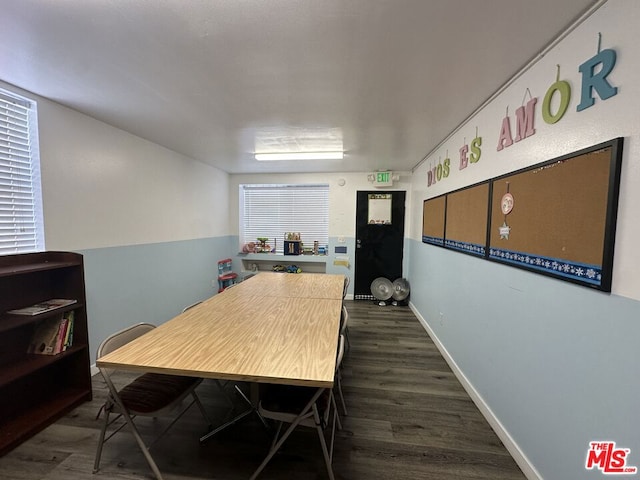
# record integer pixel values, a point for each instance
(564, 89)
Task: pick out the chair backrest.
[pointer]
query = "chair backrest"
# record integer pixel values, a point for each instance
(124, 336)
(346, 287)
(191, 306)
(325, 399)
(344, 319)
(118, 339)
(340, 354)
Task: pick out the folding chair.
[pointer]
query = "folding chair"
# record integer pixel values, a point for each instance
(344, 332)
(151, 395)
(344, 326)
(345, 288)
(309, 407)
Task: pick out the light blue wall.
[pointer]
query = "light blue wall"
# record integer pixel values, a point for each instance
(555, 365)
(558, 364)
(148, 283)
(350, 243)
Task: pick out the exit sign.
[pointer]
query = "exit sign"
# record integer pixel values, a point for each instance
(383, 179)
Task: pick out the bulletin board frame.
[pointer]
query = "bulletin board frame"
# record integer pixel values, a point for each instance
(561, 216)
(458, 220)
(433, 220)
(467, 219)
(556, 218)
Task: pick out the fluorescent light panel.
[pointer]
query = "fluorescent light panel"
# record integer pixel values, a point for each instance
(300, 156)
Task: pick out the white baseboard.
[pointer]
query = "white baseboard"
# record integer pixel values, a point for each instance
(512, 447)
(94, 370)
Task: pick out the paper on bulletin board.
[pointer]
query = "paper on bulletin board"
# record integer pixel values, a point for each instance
(342, 262)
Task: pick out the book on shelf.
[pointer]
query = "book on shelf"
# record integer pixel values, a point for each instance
(62, 334)
(53, 335)
(68, 339)
(42, 307)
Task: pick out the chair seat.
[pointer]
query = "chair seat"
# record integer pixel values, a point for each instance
(293, 404)
(286, 398)
(152, 392)
(281, 402)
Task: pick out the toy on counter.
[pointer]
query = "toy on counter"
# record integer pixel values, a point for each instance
(249, 247)
(292, 243)
(226, 276)
(263, 246)
(287, 269)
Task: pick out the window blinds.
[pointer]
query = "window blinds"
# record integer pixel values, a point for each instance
(272, 210)
(21, 225)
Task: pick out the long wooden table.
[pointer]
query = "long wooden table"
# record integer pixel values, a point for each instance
(272, 328)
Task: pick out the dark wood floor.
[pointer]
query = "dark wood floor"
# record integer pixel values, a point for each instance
(409, 418)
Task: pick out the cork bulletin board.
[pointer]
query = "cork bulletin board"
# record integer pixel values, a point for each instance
(466, 219)
(433, 211)
(558, 218)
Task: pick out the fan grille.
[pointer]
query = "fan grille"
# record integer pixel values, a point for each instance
(382, 288)
(400, 289)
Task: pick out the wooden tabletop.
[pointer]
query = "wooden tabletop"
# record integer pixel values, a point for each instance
(303, 285)
(244, 336)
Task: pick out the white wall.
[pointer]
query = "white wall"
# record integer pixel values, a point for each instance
(342, 199)
(554, 364)
(150, 223)
(615, 117)
(103, 187)
(342, 208)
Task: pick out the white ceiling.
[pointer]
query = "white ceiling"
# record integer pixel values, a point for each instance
(212, 78)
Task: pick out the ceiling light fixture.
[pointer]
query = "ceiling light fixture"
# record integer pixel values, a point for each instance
(299, 156)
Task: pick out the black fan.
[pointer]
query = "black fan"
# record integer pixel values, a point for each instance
(382, 289)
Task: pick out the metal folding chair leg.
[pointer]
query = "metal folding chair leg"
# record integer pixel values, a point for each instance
(328, 455)
(338, 385)
(309, 411)
(237, 418)
(134, 431)
(96, 463)
(335, 409)
(275, 447)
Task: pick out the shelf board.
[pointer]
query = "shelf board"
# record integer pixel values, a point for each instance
(31, 421)
(278, 257)
(9, 321)
(35, 267)
(32, 362)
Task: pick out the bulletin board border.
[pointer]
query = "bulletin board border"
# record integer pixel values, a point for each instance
(595, 276)
(429, 239)
(469, 248)
(598, 277)
(437, 241)
(574, 271)
(466, 247)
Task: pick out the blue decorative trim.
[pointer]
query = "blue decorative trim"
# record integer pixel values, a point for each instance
(585, 273)
(466, 247)
(432, 240)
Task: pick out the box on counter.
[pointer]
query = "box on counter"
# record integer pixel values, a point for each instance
(292, 247)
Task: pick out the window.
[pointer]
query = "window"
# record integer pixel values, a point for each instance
(21, 223)
(272, 210)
